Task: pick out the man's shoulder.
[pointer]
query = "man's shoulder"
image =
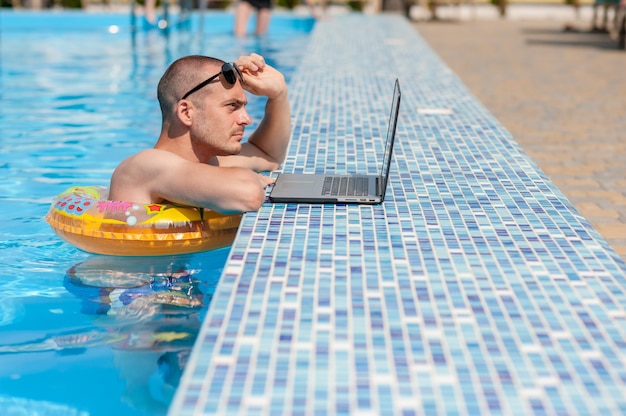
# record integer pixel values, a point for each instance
(144, 161)
(155, 153)
(153, 158)
(139, 176)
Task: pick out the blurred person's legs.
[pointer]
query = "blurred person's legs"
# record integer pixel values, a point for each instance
(262, 21)
(150, 11)
(242, 14)
(243, 11)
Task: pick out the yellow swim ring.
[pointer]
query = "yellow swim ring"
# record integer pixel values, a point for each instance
(85, 218)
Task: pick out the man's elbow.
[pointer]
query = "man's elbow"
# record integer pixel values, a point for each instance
(249, 198)
(278, 158)
(244, 192)
(254, 200)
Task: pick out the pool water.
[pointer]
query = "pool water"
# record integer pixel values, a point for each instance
(80, 333)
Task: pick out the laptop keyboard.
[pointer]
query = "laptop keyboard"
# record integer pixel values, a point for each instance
(343, 186)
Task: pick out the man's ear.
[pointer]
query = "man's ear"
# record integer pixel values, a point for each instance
(184, 111)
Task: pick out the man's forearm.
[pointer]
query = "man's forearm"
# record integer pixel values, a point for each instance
(273, 134)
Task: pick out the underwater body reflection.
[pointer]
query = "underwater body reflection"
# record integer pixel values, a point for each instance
(144, 313)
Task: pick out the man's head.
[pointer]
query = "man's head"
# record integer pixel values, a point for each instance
(200, 96)
(181, 76)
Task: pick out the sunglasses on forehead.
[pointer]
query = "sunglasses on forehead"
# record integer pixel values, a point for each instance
(231, 73)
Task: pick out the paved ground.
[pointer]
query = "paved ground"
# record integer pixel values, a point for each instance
(561, 94)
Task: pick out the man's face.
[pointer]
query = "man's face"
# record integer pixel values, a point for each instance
(220, 118)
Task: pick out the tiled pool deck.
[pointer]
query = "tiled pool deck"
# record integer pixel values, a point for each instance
(475, 288)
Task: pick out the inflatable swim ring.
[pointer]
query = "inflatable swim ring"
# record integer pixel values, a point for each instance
(84, 217)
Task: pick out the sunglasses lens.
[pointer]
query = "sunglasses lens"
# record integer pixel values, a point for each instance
(229, 74)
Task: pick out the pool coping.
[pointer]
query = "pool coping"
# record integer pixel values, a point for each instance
(476, 287)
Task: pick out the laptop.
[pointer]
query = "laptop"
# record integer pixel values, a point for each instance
(344, 189)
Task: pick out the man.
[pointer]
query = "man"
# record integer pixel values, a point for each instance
(198, 159)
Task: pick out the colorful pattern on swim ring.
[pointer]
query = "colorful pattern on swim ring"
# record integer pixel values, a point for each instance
(84, 217)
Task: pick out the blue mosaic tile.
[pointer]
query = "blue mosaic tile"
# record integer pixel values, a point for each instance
(475, 288)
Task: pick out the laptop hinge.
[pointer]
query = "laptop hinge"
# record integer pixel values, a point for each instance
(379, 184)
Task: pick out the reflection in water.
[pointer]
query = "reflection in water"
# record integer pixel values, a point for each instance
(146, 310)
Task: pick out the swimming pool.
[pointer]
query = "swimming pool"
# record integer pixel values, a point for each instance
(79, 333)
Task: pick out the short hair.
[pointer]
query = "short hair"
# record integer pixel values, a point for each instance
(181, 76)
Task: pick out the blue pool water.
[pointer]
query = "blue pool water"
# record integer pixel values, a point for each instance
(80, 333)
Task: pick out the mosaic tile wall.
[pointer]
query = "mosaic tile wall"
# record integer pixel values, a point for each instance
(475, 288)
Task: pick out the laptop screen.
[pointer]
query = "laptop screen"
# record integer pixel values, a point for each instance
(391, 132)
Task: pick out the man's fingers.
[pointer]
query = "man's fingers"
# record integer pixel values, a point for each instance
(251, 63)
(258, 60)
(266, 180)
